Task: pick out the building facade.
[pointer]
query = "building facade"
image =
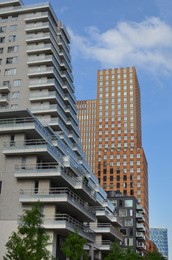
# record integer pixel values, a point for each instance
(133, 218)
(160, 238)
(87, 126)
(41, 154)
(120, 161)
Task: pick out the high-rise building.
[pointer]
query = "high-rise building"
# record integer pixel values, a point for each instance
(160, 237)
(41, 156)
(120, 162)
(87, 125)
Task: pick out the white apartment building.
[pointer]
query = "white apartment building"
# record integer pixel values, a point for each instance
(40, 151)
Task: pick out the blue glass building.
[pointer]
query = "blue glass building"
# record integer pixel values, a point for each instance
(160, 238)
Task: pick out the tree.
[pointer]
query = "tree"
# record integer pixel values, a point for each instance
(73, 246)
(154, 256)
(119, 253)
(30, 241)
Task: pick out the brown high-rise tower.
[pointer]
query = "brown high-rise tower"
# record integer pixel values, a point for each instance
(120, 162)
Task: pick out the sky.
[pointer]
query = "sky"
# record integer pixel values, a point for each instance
(126, 33)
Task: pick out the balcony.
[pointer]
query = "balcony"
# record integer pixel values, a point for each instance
(32, 146)
(140, 227)
(45, 71)
(140, 236)
(47, 96)
(53, 110)
(140, 217)
(140, 209)
(64, 197)
(107, 230)
(140, 246)
(70, 101)
(4, 100)
(72, 126)
(40, 60)
(38, 26)
(65, 224)
(49, 84)
(35, 49)
(36, 16)
(104, 245)
(39, 37)
(5, 87)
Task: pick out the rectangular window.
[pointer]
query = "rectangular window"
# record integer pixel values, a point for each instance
(13, 48)
(13, 28)
(4, 19)
(2, 39)
(11, 60)
(1, 50)
(15, 94)
(128, 222)
(17, 83)
(10, 72)
(122, 212)
(3, 29)
(128, 203)
(12, 38)
(0, 187)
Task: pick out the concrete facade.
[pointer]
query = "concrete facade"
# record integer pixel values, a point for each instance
(41, 154)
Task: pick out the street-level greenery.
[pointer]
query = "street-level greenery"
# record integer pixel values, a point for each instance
(30, 241)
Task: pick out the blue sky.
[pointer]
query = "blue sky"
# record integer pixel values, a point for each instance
(113, 33)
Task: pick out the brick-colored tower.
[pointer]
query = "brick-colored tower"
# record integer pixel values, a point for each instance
(120, 162)
(87, 125)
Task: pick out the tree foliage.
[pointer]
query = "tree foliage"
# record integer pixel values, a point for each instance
(30, 241)
(119, 253)
(73, 247)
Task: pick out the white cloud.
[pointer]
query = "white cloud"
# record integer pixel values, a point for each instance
(146, 44)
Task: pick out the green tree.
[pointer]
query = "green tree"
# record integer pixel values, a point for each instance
(118, 253)
(154, 256)
(73, 246)
(30, 241)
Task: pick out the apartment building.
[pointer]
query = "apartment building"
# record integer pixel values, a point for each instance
(120, 161)
(133, 218)
(41, 154)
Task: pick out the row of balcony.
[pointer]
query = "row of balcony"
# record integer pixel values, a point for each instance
(64, 197)
(65, 223)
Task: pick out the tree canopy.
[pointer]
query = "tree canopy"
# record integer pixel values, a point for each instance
(30, 241)
(73, 247)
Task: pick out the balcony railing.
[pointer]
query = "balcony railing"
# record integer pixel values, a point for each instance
(58, 192)
(70, 222)
(106, 228)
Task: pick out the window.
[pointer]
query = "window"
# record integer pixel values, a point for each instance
(128, 222)
(128, 203)
(128, 241)
(13, 48)
(15, 94)
(3, 29)
(13, 28)
(14, 17)
(111, 178)
(4, 19)
(14, 106)
(1, 50)
(122, 212)
(0, 187)
(9, 72)
(12, 38)
(11, 60)
(2, 39)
